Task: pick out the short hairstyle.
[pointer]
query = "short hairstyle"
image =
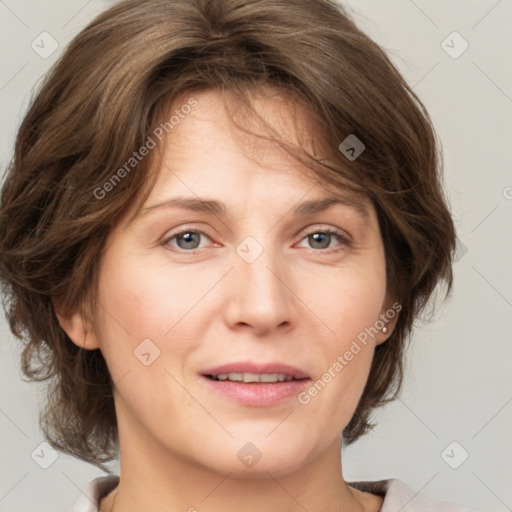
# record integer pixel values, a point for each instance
(98, 105)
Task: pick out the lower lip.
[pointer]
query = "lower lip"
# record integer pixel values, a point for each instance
(258, 394)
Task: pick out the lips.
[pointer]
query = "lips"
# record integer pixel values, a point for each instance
(255, 385)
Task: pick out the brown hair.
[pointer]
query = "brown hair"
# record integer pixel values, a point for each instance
(99, 104)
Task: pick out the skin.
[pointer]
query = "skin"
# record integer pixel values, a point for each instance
(298, 303)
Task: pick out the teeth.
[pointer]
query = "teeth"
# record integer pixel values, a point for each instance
(254, 377)
(250, 377)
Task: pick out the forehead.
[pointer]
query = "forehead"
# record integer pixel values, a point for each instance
(222, 152)
(250, 124)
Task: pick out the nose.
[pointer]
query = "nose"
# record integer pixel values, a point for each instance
(260, 296)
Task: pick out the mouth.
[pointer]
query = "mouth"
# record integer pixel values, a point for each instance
(255, 378)
(248, 371)
(252, 384)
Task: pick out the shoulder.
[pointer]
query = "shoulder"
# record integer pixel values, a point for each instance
(399, 496)
(89, 500)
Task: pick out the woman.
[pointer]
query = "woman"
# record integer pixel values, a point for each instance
(221, 219)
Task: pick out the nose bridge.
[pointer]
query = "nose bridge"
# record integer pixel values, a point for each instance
(258, 266)
(260, 295)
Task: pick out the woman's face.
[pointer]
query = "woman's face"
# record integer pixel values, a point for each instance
(257, 283)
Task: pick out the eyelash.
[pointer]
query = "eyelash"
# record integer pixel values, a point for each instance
(345, 241)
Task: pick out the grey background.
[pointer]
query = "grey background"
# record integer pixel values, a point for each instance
(458, 385)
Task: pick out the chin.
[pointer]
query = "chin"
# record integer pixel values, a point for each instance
(256, 459)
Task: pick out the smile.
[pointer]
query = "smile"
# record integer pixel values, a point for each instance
(253, 377)
(255, 384)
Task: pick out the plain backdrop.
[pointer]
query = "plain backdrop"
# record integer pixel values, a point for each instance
(448, 435)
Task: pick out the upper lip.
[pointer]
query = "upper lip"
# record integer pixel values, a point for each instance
(258, 368)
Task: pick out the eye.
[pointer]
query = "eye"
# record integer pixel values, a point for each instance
(322, 238)
(189, 240)
(186, 240)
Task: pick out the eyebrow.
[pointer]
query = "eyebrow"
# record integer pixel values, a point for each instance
(219, 209)
(319, 205)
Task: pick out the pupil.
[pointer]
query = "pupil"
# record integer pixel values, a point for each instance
(189, 239)
(322, 238)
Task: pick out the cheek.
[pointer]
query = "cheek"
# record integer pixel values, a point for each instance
(138, 304)
(141, 324)
(347, 299)
(349, 305)
(149, 299)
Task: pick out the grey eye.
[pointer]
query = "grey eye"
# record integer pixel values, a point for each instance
(186, 240)
(320, 240)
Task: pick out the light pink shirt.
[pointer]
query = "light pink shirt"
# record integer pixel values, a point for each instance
(398, 497)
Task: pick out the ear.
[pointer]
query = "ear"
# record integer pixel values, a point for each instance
(76, 327)
(389, 316)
